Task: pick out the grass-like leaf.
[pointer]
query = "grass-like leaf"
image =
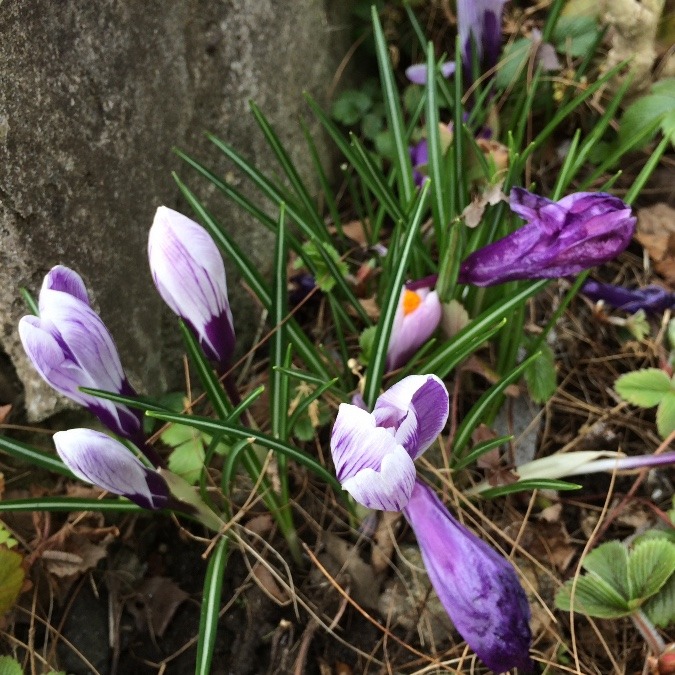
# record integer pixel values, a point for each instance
(68, 504)
(528, 486)
(210, 606)
(33, 457)
(478, 451)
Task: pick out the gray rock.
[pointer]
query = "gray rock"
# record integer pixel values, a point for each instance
(92, 98)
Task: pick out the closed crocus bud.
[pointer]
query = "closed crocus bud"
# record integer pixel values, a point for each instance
(189, 274)
(103, 461)
(560, 239)
(477, 587)
(653, 299)
(70, 347)
(417, 317)
(374, 452)
(480, 21)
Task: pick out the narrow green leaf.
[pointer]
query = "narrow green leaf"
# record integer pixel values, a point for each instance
(30, 301)
(541, 376)
(308, 400)
(33, 456)
(528, 486)
(390, 303)
(609, 561)
(210, 607)
(67, 504)
(646, 171)
(665, 415)
(650, 564)
(592, 596)
(393, 112)
(478, 451)
(645, 388)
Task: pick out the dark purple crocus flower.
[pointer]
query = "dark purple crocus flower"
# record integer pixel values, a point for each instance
(560, 239)
(70, 347)
(189, 274)
(478, 588)
(103, 461)
(419, 158)
(651, 298)
(374, 457)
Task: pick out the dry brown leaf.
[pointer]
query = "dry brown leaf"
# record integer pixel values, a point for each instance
(2, 484)
(261, 525)
(5, 410)
(371, 307)
(384, 541)
(82, 556)
(154, 604)
(656, 232)
(475, 365)
(268, 584)
(454, 318)
(473, 213)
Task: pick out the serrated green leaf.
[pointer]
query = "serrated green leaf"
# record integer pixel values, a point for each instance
(12, 575)
(324, 279)
(350, 106)
(665, 415)
(650, 564)
(609, 561)
(644, 388)
(187, 460)
(659, 105)
(660, 609)
(8, 666)
(575, 35)
(541, 376)
(592, 596)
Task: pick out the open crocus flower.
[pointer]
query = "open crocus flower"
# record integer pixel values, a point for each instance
(103, 461)
(477, 587)
(70, 347)
(560, 239)
(417, 317)
(651, 298)
(374, 452)
(189, 274)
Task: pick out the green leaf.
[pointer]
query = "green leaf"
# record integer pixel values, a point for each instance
(8, 666)
(514, 60)
(6, 538)
(12, 576)
(541, 376)
(528, 485)
(658, 105)
(661, 607)
(350, 106)
(324, 279)
(645, 388)
(575, 35)
(366, 341)
(609, 561)
(592, 596)
(650, 565)
(187, 460)
(665, 415)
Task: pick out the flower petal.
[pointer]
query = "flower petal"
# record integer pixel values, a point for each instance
(61, 278)
(417, 73)
(477, 587)
(103, 461)
(389, 488)
(653, 299)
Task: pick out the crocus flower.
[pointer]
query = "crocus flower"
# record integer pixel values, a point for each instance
(70, 347)
(373, 455)
(374, 452)
(477, 587)
(103, 461)
(560, 239)
(419, 158)
(417, 317)
(189, 274)
(651, 298)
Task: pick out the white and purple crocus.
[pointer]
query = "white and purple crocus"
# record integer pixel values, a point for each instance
(374, 457)
(101, 460)
(189, 274)
(70, 347)
(560, 239)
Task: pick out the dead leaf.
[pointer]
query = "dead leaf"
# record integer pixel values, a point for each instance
(384, 541)
(261, 525)
(656, 232)
(269, 585)
(154, 604)
(4, 412)
(371, 307)
(454, 318)
(475, 365)
(473, 213)
(82, 556)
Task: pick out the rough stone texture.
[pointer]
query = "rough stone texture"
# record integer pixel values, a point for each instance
(92, 98)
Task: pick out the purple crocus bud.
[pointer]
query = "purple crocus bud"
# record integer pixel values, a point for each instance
(103, 461)
(479, 21)
(189, 274)
(477, 587)
(651, 298)
(70, 347)
(417, 317)
(560, 239)
(374, 452)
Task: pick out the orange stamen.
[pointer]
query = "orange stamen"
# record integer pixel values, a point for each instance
(411, 301)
